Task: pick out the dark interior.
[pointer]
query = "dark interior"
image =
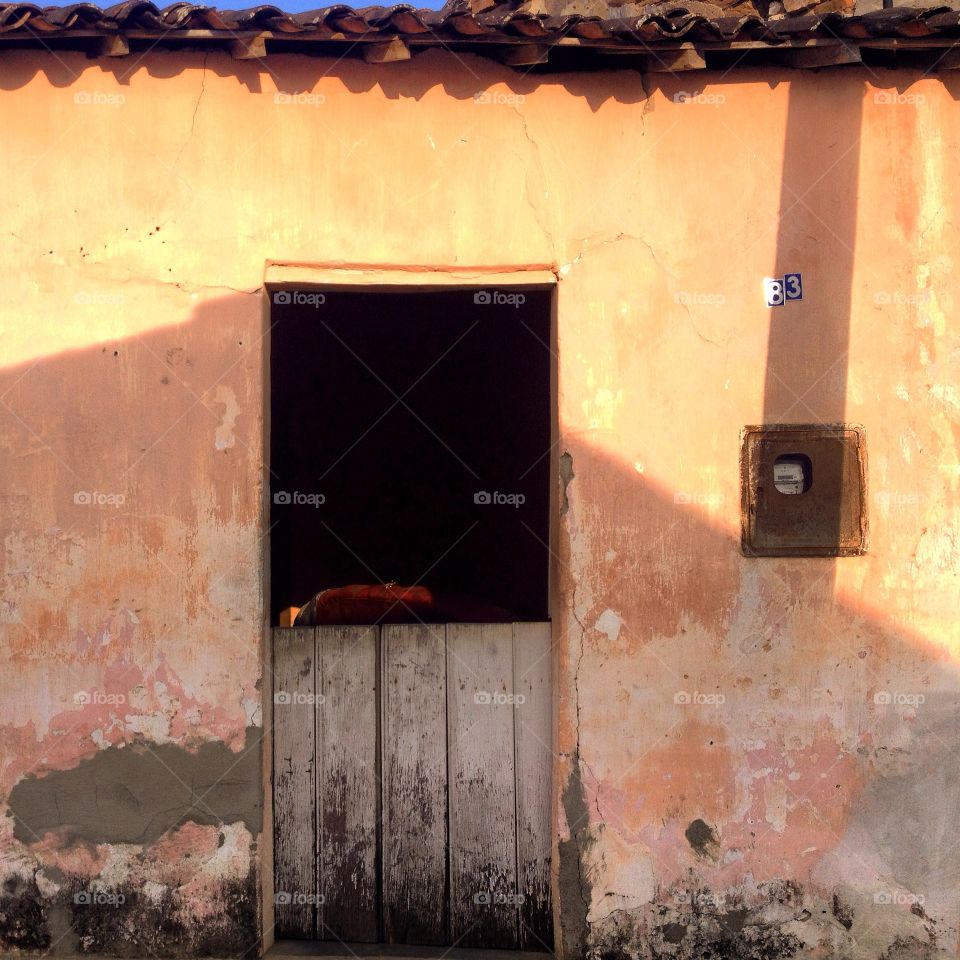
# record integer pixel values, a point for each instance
(400, 478)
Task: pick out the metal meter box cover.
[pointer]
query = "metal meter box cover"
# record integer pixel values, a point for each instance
(803, 490)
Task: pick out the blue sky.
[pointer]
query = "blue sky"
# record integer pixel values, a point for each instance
(291, 6)
(297, 6)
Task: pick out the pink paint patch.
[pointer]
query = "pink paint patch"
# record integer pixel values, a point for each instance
(107, 714)
(118, 629)
(81, 859)
(191, 839)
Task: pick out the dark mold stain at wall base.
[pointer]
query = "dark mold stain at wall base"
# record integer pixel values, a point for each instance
(778, 920)
(135, 793)
(701, 937)
(125, 923)
(842, 911)
(23, 921)
(698, 924)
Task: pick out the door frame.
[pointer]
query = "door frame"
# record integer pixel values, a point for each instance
(395, 278)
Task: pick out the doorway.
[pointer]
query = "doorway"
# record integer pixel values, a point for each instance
(411, 444)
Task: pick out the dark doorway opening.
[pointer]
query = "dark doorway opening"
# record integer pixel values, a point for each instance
(410, 441)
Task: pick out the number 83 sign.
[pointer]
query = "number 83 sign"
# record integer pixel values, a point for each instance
(778, 290)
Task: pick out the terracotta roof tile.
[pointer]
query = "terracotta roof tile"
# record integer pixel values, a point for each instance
(551, 21)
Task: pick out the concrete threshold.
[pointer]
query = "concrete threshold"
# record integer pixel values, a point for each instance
(332, 950)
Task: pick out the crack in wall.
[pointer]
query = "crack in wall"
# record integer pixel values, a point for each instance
(586, 246)
(196, 107)
(534, 207)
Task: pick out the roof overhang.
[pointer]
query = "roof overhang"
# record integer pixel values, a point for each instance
(665, 38)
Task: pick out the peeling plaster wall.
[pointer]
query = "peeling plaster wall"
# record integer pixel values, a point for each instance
(756, 758)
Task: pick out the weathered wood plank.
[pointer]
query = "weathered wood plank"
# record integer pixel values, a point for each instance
(390, 52)
(294, 721)
(674, 61)
(112, 45)
(525, 55)
(812, 57)
(249, 48)
(347, 783)
(533, 731)
(483, 879)
(414, 784)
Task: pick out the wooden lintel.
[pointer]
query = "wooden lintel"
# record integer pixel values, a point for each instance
(657, 57)
(390, 52)
(826, 56)
(249, 48)
(674, 61)
(737, 46)
(904, 44)
(112, 45)
(525, 54)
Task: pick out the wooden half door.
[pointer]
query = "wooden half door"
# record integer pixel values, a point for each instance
(412, 772)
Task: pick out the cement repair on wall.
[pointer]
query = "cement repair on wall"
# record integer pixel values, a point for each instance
(757, 758)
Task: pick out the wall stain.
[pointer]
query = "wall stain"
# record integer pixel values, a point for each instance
(566, 475)
(842, 911)
(701, 837)
(128, 924)
(910, 948)
(697, 925)
(574, 887)
(23, 922)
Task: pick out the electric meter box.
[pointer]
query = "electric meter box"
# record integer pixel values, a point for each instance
(803, 490)
(789, 474)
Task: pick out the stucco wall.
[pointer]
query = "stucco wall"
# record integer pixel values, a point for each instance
(788, 809)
